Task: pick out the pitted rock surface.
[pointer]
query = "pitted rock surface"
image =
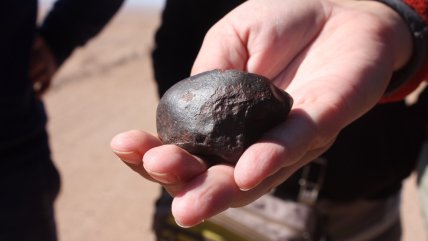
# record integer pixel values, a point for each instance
(218, 114)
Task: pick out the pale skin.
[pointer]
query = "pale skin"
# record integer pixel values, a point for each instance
(335, 57)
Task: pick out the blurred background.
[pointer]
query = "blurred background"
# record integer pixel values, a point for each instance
(107, 87)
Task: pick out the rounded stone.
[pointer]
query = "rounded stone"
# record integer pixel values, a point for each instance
(218, 114)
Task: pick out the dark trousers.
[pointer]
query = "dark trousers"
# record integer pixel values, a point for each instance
(29, 184)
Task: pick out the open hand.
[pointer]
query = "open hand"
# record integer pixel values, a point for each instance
(334, 57)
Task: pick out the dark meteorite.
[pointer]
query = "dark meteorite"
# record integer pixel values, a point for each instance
(218, 114)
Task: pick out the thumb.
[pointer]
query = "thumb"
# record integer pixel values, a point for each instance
(263, 42)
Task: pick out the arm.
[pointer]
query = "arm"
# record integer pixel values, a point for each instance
(71, 23)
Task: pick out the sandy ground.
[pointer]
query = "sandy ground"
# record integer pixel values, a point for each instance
(107, 87)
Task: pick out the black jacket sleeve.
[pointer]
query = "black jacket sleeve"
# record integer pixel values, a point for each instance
(71, 23)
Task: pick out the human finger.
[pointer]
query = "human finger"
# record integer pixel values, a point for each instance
(172, 166)
(205, 196)
(130, 147)
(281, 147)
(215, 191)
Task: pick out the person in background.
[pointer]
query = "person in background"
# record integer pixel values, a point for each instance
(30, 56)
(348, 110)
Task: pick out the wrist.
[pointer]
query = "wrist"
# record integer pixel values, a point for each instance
(414, 14)
(399, 36)
(407, 21)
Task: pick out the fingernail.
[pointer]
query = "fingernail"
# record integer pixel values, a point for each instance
(187, 226)
(245, 189)
(128, 161)
(165, 178)
(181, 225)
(128, 157)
